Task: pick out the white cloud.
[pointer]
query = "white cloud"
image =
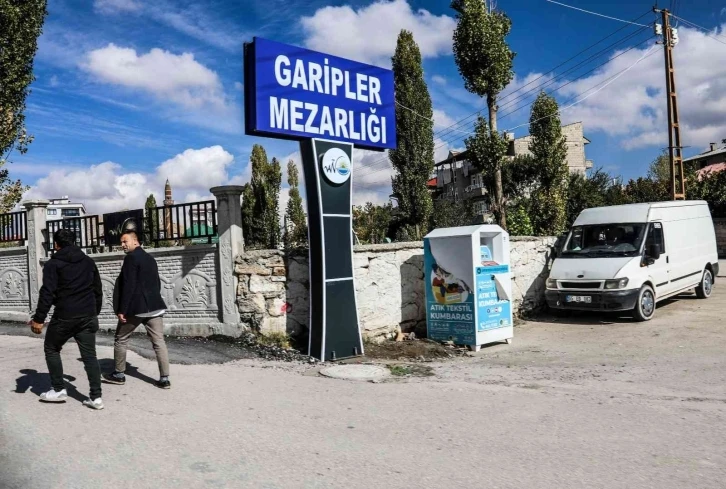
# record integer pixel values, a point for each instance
(339, 31)
(167, 76)
(116, 6)
(633, 107)
(113, 188)
(442, 120)
(53, 82)
(439, 80)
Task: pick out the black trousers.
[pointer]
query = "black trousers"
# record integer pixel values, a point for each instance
(83, 330)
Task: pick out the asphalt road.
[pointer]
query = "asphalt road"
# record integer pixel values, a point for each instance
(582, 403)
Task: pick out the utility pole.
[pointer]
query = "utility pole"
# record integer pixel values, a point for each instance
(670, 39)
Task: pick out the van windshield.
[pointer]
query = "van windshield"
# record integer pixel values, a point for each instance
(603, 240)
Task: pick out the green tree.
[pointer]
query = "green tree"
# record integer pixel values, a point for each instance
(248, 216)
(273, 184)
(486, 152)
(660, 168)
(413, 159)
(21, 23)
(712, 189)
(549, 151)
(152, 216)
(448, 214)
(371, 222)
(643, 190)
(599, 189)
(296, 231)
(520, 223)
(260, 205)
(485, 63)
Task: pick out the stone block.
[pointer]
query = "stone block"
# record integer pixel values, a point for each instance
(276, 307)
(247, 269)
(278, 279)
(298, 271)
(253, 303)
(263, 285)
(273, 325)
(278, 272)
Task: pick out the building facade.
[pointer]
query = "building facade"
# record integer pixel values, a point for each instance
(456, 179)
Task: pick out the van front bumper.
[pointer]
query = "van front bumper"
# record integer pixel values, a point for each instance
(601, 300)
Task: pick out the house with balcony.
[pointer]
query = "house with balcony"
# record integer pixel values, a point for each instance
(456, 178)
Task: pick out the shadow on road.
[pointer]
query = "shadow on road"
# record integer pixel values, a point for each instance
(108, 365)
(38, 383)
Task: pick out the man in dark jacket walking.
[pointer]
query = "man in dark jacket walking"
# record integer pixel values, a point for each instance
(72, 284)
(139, 302)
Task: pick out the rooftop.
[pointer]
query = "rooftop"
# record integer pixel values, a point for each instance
(714, 151)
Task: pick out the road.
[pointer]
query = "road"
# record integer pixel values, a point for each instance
(575, 403)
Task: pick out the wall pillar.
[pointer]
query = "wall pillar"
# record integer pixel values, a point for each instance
(37, 211)
(231, 244)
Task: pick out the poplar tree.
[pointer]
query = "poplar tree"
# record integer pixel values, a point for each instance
(485, 63)
(413, 159)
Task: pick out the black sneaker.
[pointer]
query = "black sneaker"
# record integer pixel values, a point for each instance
(163, 384)
(114, 378)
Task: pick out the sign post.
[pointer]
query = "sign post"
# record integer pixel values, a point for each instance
(330, 105)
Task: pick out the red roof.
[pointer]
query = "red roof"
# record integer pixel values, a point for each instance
(431, 183)
(710, 170)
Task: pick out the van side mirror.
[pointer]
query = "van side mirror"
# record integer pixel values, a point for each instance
(654, 251)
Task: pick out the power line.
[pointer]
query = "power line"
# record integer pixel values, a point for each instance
(555, 68)
(449, 140)
(452, 128)
(608, 82)
(595, 13)
(421, 116)
(707, 31)
(597, 87)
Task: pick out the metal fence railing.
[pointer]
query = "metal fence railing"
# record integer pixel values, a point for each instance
(86, 228)
(192, 223)
(14, 227)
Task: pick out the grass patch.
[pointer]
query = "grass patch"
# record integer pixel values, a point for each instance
(280, 340)
(417, 370)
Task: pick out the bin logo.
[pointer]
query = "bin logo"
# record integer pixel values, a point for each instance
(336, 166)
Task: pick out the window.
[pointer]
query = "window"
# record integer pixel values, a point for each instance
(52, 212)
(481, 208)
(600, 240)
(655, 236)
(70, 212)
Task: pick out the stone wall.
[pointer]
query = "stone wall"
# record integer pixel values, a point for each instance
(719, 226)
(389, 280)
(14, 288)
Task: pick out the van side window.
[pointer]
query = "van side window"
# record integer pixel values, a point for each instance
(655, 236)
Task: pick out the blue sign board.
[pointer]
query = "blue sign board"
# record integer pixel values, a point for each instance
(494, 312)
(295, 93)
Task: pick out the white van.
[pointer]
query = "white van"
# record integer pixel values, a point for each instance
(629, 257)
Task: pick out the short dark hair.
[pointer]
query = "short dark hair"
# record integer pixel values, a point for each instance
(130, 232)
(64, 237)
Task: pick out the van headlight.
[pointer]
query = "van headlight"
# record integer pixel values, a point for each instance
(619, 283)
(551, 283)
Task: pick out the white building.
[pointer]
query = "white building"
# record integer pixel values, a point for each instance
(63, 208)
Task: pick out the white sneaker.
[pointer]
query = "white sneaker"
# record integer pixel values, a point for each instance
(94, 404)
(53, 396)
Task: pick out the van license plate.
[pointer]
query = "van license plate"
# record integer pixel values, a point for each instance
(579, 298)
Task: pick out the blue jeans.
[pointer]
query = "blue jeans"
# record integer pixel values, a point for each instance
(83, 330)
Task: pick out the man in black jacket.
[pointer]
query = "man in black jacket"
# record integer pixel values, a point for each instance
(72, 284)
(139, 302)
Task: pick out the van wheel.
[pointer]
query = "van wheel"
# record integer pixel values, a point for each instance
(645, 307)
(705, 288)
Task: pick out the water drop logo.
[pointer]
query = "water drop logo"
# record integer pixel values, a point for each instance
(336, 166)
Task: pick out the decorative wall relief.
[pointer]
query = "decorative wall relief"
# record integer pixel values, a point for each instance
(194, 291)
(13, 285)
(108, 287)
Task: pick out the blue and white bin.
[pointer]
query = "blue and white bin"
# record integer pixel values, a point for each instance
(468, 285)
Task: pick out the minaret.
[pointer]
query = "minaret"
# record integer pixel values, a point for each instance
(168, 202)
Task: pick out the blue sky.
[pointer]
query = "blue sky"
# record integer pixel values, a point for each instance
(130, 93)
